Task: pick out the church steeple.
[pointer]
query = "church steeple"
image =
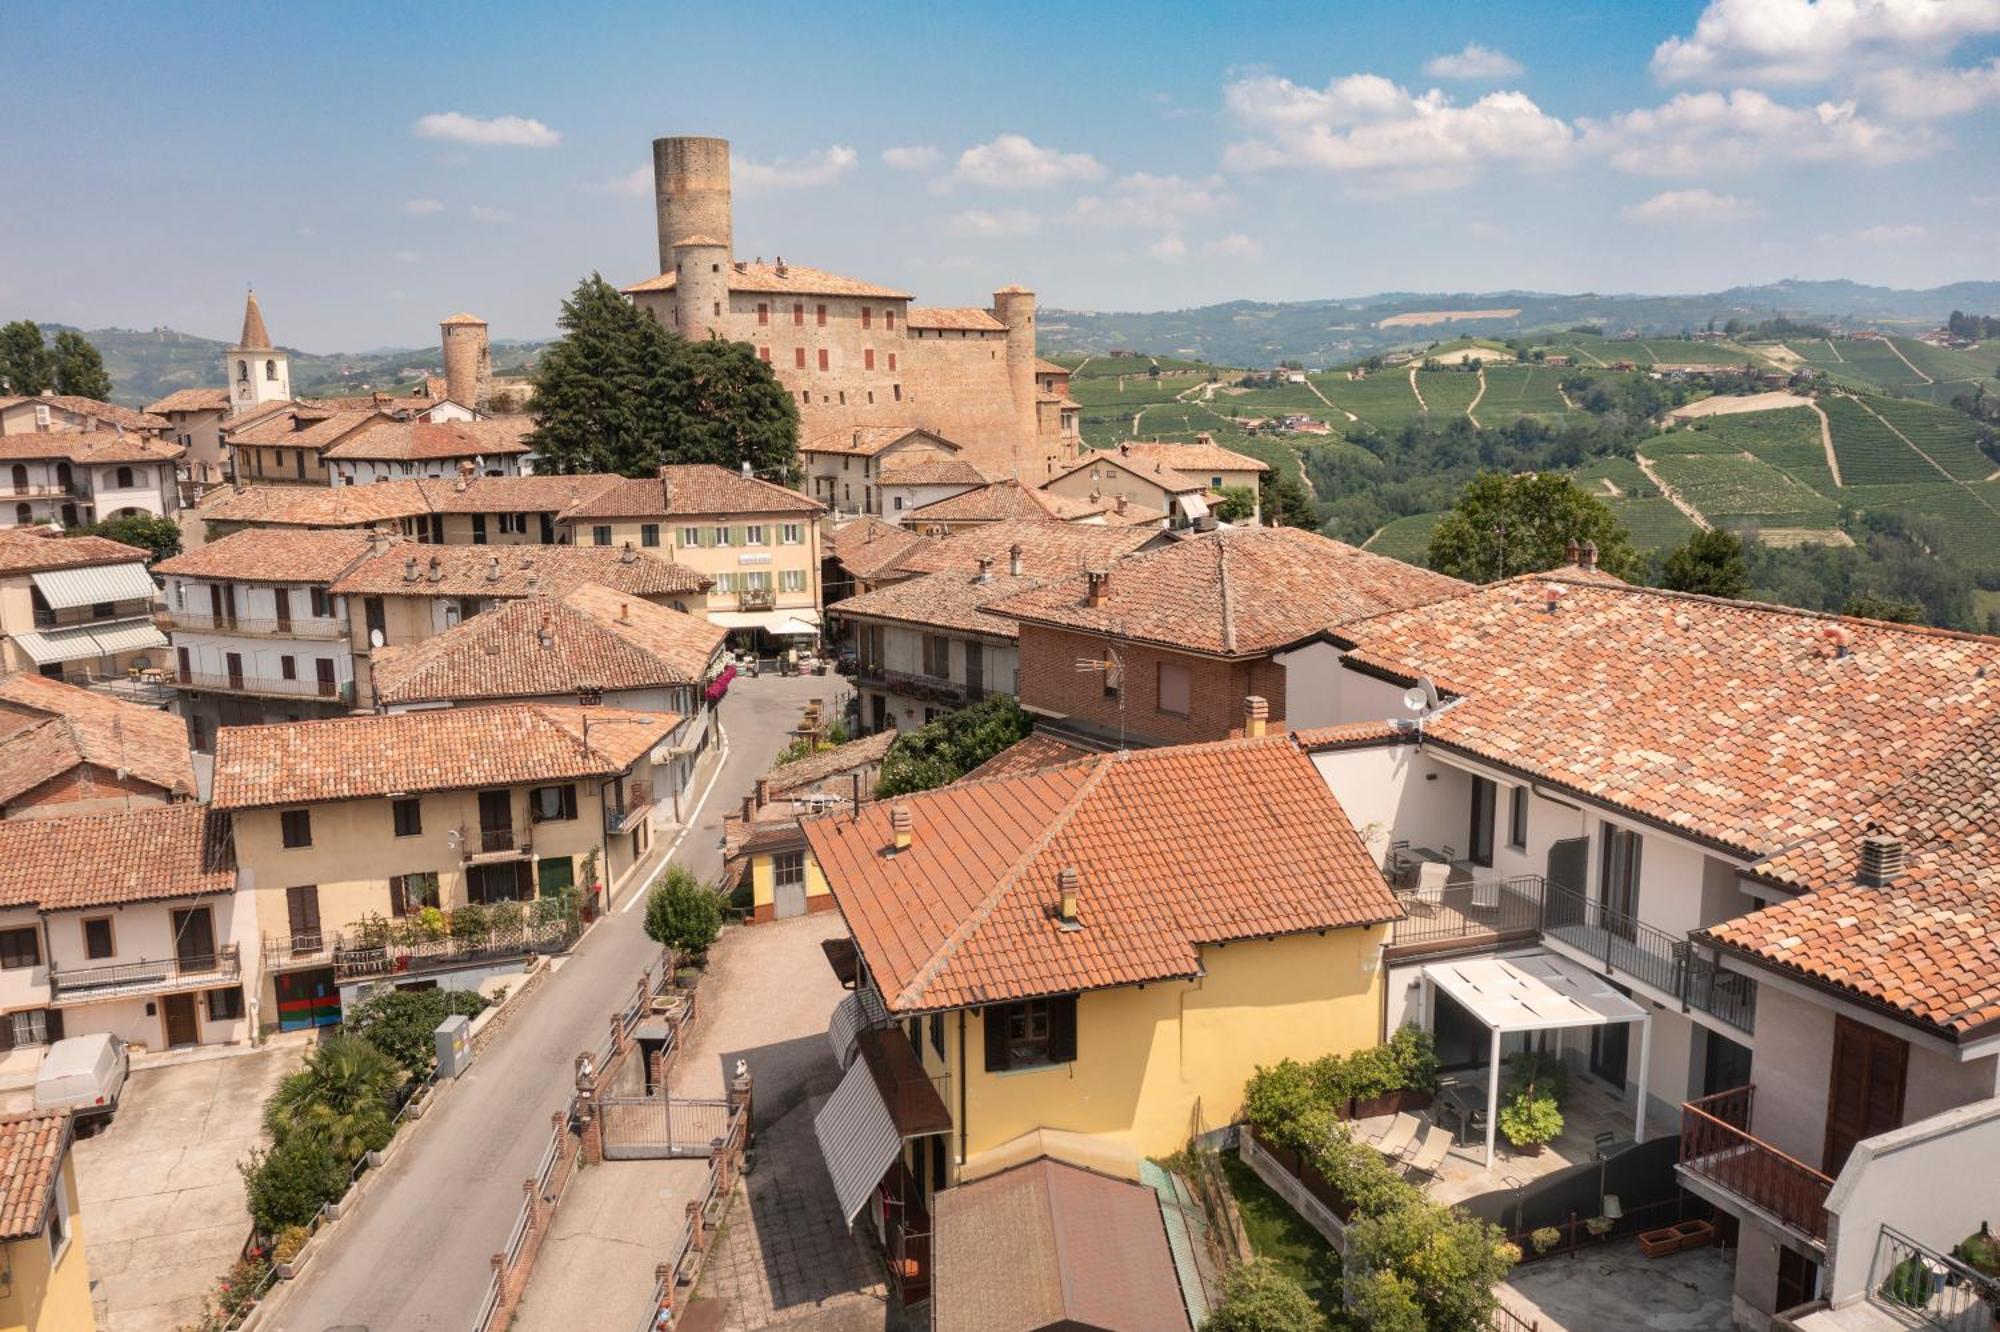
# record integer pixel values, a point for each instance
(257, 371)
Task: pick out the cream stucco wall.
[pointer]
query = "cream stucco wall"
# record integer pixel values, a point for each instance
(734, 566)
(49, 1293)
(143, 932)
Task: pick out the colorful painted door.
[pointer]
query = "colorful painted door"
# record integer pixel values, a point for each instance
(308, 999)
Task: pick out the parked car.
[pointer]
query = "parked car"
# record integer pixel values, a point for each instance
(83, 1074)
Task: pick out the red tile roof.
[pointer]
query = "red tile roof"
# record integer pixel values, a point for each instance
(972, 318)
(1197, 460)
(1031, 753)
(1000, 500)
(89, 860)
(833, 762)
(1152, 471)
(316, 506)
(425, 440)
(37, 550)
(1049, 548)
(444, 749)
(105, 413)
(942, 601)
(1236, 593)
(48, 727)
(1174, 848)
(33, 1146)
(515, 571)
(867, 441)
(271, 555)
(695, 488)
(929, 472)
(869, 548)
(191, 400)
(90, 446)
(789, 279)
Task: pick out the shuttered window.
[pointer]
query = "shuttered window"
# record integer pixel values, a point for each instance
(20, 948)
(1176, 689)
(1031, 1034)
(296, 827)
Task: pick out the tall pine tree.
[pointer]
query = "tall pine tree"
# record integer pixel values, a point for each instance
(722, 405)
(26, 368)
(79, 368)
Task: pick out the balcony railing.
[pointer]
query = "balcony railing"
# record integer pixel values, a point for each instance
(1929, 1290)
(930, 688)
(1669, 964)
(504, 843)
(1717, 1146)
(146, 977)
(757, 599)
(340, 691)
(298, 946)
(302, 627)
(622, 818)
(397, 947)
(57, 490)
(1476, 911)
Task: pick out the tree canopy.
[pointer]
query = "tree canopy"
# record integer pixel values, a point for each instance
(1505, 525)
(946, 749)
(79, 368)
(26, 368)
(618, 393)
(1710, 563)
(161, 537)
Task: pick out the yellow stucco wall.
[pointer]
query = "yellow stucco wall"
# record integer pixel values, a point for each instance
(1148, 1058)
(42, 1298)
(771, 557)
(763, 881)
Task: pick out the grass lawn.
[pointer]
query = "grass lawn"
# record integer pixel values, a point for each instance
(1281, 1234)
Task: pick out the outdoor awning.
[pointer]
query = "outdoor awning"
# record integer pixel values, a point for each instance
(86, 641)
(852, 1016)
(858, 1139)
(775, 621)
(65, 589)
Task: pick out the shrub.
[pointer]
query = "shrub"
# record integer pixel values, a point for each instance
(1258, 1297)
(431, 922)
(504, 917)
(1449, 1261)
(287, 1185)
(401, 1023)
(290, 1241)
(1537, 1072)
(1544, 1238)
(469, 924)
(1415, 1053)
(682, 913)
(372, 930)
(1530, 1118)
(1277, 1099)
(1384, 1302)
(945, 750)
(562, 904)
(341, 1096)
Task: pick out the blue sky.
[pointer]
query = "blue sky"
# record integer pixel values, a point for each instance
(373, 168)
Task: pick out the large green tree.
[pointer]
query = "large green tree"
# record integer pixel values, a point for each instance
(1710, 563)
(341, 1094)
(159, 536)
(1505, 525)
(617, 393)
(26, 368)
(943, 751)
(79, 368)
(1285, 502)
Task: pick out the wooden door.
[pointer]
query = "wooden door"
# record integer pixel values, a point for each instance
(1864, 1094)
(323, 673)
(496, 812)
(1798, 1280)
(194, 937)
(302, 912)
(182, 1028)
(283, 598)
(232, 663)
(1618, 889)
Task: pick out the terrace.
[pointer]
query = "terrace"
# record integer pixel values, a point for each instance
(196, 971)
(389, 951)
(285, 627)
(1720, 1155)
(238, 682)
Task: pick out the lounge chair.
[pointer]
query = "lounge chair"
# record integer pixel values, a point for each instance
(1430, 1153)
(1431, 879)
(1396, 1138)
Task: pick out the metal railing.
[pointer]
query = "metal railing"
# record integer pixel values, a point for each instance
(1931, 1290)
(1480, 909)
(305, 626)
(1670, 964)
(622, 817)
(757, 599)
(386, 952)
(332, 690)
(1717, 1146)
(57, 490)
(930, 688)
(144, 976)
(70, 617)
(506, 841)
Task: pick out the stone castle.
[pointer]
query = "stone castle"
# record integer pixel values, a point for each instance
(856, 354)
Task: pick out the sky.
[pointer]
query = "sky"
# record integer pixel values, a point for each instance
(370, 169)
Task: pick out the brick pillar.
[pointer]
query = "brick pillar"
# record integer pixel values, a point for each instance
(697, 1236)
(657, 1074)
(664, 1275)
(739, 1095)
(593, 1129)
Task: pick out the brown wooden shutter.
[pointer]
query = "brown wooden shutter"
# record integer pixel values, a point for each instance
(996, 1038)
(1864, 1088)
(1062, 1029)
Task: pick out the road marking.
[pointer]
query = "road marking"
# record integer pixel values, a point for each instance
(721, 758)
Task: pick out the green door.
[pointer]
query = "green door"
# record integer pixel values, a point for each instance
(554, 875)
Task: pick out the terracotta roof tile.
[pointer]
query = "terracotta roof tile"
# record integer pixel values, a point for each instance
(515, 571)
(1196, 460)
(1049, 549)
(191, 400)
(688, 489)
(32, 1147)
(951, 600)
(445, 749)
(969, 317)
(103, 413)
(869, 548)
(37, 550)
(89, 860)
(1031, 753)
(1242, 592)
(515, 494)
(1150, 470)
(1000, 500)
(297, 429)
(835, 761)
(867, 441)
(1174, 848)
(1043, 366)
(48, 727)
(316, 506)
(423, 440)
(790, 279)
(929, 472)
(255, 336)
(90, 446)
(272, 555)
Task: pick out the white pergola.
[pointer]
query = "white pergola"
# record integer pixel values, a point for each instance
(1534, 992)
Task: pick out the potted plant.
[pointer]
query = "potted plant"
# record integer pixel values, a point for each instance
(1980, 1251)
(1544, 1238)
(1599, 1226)
(1530, 1119)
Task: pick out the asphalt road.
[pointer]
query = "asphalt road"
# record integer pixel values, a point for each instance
(417, 1253)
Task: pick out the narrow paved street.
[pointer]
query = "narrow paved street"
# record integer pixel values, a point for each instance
(415, 1256)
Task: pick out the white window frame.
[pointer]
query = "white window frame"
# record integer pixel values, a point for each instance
(753, 534)
(791, 534)
(722, 541)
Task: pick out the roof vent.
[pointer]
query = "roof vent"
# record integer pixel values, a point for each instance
(985, 574)
(436, 570)
(547, 633)
(1555, 595)
(1256, 715)
(534, 580)
(1014, 559)
(902, 826)
(1840, 639)
(409, 568)
(628, 555)
(492, 647)
(624, 613)
(747, 473)
(1573, 552)
(493, 569)
(781, 266)
(1068, 886)
(1881, 860)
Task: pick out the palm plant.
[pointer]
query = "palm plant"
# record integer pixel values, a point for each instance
(343, 1093)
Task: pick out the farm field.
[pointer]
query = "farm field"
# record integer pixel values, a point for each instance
(1669, 351)
(1870, 453)
(1949, 363)
(1735, 491)
(1788, 439)
(1872, 359)
(1620, 472)
(1180, 422)
(1949, 437)
(1405, 539)
(1447, 393)
(1382, 400)
(1521, 390)
(1655, 524)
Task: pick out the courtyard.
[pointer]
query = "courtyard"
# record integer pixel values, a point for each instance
(1616, 1286)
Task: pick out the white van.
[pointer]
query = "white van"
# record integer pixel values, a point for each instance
(84, 1074)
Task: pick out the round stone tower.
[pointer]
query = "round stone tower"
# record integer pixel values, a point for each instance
(691, 191)
(468, 361)
(701, 285)
(1015, 307)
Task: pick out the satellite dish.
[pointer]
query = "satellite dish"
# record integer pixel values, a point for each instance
(375, 638)
(1423, 697)
(1413, 699)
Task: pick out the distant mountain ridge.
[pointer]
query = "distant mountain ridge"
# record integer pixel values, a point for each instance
(1325, 332)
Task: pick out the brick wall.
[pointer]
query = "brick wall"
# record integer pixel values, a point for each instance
(1049, 680)
(84, 789)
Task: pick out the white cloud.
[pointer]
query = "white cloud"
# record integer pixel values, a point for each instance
(484, 213)
(634, 184)
(1386, 138)
(1702, 133)
(1002, 225)
(916, 157)
(1931, 94)
(1149, 201)
(1474, 62)
(1235, 245)
(1015, 162)
(795, 173)
(493, 132)
(1813, 41)
(421, 207)
(1697, 205)
(1904, 233)
(1168, 249)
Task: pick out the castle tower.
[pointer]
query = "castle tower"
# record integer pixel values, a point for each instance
(701, 286)
(468, 361)
(1015, 307)
(256, 371)
(691, 191)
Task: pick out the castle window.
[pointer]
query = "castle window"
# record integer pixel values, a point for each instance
(805, 395)
(270, 370)
(798, 312)
(715, 268)
(843, 397)
(871, 397)
(868, 358)
(866, 315)
(798, 358)
(889, 318)
(822, 358)
(764, 354)
(125, 478)
(819, 315)
(763, 312)
(718, 309)
(892, 360)
(899, 390)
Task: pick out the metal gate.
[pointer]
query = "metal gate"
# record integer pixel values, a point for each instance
(649, 1127)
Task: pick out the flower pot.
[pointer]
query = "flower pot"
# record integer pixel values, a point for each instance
(1693, 1234)
(1659, 1243)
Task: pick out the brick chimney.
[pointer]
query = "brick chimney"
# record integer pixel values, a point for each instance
(628, 555)
(1256, 716)
(1573, 553)
(1068, 897)
(901, 825)
(1118, 504)
(985, 574)
(436, 572)
(763, 792)
(1099, 586)
(378, 541)
(1014, 559)
(1587, 557)
(409, 568)
(547, 633)
(1881, 860)
(493, 569)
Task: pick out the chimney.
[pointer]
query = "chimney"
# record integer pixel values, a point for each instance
(1555, 594)
(547, 633)
(1588, 559)
(1068, 882)
(1203, 437)
(1256, 716)
(1014, 559)
(492, 647)
(624, 612)
(1124, 450)
(534, 580)
(409, 568)
(628, 555)
(749, 808)
(1881, 860)
(493, 569)
(900, 824)
(436, 574)
(1840, 639)
(763, 792)
(1572, 553)
(1118, 504)
(378, 541)
(857, 439)
(747, 474)
(985, 574)
(781, 266)
(1100, 583)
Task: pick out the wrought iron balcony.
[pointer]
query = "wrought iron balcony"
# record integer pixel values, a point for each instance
(1670, 964)
(298, 946)
(297, 627)
(1718, 1147)
(221, 967)
(501, 843)
(1473, 912)
(1932, 1291)
(341, 691)
(623, 818)
(757, 599)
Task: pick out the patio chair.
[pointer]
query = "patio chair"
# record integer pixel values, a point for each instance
(1486, 894)
(1429, 896)
(1396, 1138)
(1430, 1153)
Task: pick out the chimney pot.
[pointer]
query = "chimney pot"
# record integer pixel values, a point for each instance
(1256, 715)
(624, 612)
(1573, 552)
(1014, 559)
(902, 826)
(1588, 562)
(436, 570)
(1068, 886)
(1881, 859)
(1555, 595)
(1100, 582)
(628, 555)
(763, 792)
(493, 569)
(409, 568)
(1118, 504)
(985, 570)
